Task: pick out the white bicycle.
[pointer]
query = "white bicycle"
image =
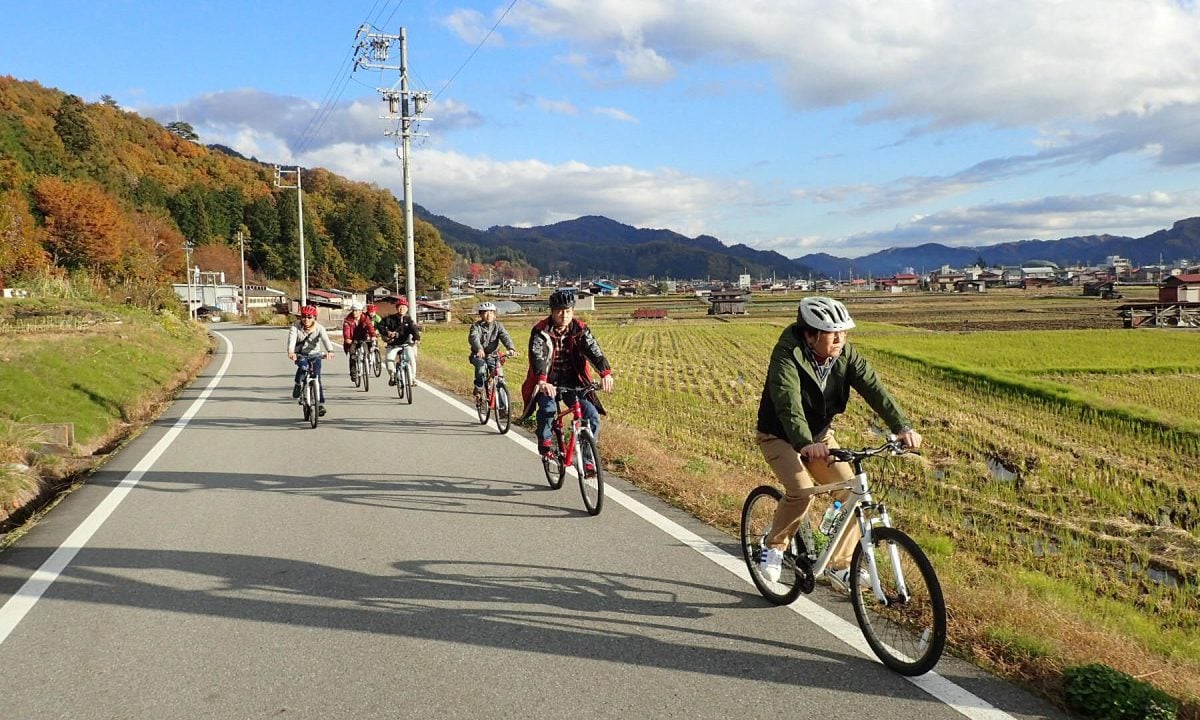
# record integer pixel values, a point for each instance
(900, 610)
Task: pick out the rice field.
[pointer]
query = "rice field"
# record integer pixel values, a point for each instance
(1063, 464)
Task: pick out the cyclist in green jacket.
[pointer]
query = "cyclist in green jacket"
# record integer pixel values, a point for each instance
(808, 384)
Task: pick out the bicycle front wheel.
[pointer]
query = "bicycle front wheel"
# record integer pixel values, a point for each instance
(483, 406)
(313, 404)
(364, 371)
(758, 513)
(907, 629)
(553, 464)
(503, 416)
(407, 378)
(591, 482)
(376, 363)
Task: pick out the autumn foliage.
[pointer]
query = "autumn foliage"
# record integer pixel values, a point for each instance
(90, 187)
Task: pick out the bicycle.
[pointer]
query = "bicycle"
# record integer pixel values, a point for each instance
(374, 359)
(361, 359)
(310, 395)
(404, 374)
(902, 613)
(495, 399)
(571, 443)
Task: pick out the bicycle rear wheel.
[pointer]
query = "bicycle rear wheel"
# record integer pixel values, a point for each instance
(591, 484)
(503, 411)
(553, 465)
(758, 513)
(907, 630)
(356, 367)
(407, 378)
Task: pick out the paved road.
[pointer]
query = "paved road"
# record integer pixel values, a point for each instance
(405, 562)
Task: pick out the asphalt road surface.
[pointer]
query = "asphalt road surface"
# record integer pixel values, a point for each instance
(403, 561)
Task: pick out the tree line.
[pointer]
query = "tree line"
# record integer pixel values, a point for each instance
(93, 188)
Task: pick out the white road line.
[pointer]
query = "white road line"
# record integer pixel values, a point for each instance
(27, 596)
(957, 698)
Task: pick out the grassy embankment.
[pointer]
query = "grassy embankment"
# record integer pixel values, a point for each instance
(104, 368)
(1085, 547)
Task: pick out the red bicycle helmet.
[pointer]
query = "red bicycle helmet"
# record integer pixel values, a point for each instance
(308, 311)
(372, 308)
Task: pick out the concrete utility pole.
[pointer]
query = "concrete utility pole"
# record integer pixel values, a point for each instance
(187, 271)
(242, 255)
(372, 51)
(279, 182)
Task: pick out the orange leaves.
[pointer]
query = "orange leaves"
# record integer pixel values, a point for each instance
(84, 226)
(20, 247)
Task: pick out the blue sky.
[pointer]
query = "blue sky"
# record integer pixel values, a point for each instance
(794, 125)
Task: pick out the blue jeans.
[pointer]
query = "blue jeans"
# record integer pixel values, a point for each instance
(547, 408)
(302, 363)
(482, 365)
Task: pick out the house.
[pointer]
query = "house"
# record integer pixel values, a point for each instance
(649, 314)
(1180, 289)
(259, 297)
(223, 296)
(327, 298)
(1032, 283)
(728, 302)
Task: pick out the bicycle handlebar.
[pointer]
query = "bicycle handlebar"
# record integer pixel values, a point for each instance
(893, 447)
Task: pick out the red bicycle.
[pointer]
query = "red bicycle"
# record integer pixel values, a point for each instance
(574, 444)
(495, 400)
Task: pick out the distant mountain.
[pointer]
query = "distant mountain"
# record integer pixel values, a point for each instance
(1182, 241)
(594, 245)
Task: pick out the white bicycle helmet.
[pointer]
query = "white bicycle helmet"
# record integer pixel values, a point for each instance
(485, 306)
(356, 306)
(825, 314)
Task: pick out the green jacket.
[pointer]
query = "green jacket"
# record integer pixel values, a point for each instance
(794, 407)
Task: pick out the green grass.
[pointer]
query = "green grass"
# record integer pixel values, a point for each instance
(96, 377)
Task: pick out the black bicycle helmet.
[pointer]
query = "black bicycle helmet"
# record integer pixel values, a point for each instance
(560, 299)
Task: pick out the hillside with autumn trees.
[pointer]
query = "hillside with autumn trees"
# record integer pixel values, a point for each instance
(91, 188)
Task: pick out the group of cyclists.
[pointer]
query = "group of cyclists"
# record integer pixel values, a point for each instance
(809, 377)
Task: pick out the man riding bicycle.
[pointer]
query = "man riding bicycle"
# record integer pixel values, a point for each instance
(808, 384)
(485, 337)
(398, 330)
(562, 351)
(308, 342)
(357, 328)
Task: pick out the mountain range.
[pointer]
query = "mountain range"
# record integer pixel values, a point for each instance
(598, 246)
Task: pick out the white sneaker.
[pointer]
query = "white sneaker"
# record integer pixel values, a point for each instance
(840, 580)
(771, 565)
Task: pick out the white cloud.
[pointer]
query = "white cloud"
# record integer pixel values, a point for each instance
(557, 107)
(480, 191)
(472, 27)
(939, 62)
(615, 114)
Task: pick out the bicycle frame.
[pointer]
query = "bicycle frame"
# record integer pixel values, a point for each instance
(860, 507)
(495, 377)
(575, 410)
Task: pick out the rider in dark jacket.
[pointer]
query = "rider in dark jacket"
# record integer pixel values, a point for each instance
(399, 330)
(562, 351)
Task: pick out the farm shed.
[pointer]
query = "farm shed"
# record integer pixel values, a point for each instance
(1180, 288)
(728, 302)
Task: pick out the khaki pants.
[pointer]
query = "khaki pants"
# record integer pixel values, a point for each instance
(798, 477)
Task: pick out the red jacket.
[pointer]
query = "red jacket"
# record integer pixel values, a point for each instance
(356, 332)
(582, 352)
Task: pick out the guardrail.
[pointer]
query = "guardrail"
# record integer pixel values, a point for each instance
(44, 324)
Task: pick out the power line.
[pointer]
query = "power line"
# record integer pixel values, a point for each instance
(472, 55)
(329, 101)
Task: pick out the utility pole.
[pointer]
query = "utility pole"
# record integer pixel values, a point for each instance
(242, 255)
(372, 51)
(187, 271)
(279, 182)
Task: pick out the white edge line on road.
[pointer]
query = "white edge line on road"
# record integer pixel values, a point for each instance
(955, 697)
(27, 596)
